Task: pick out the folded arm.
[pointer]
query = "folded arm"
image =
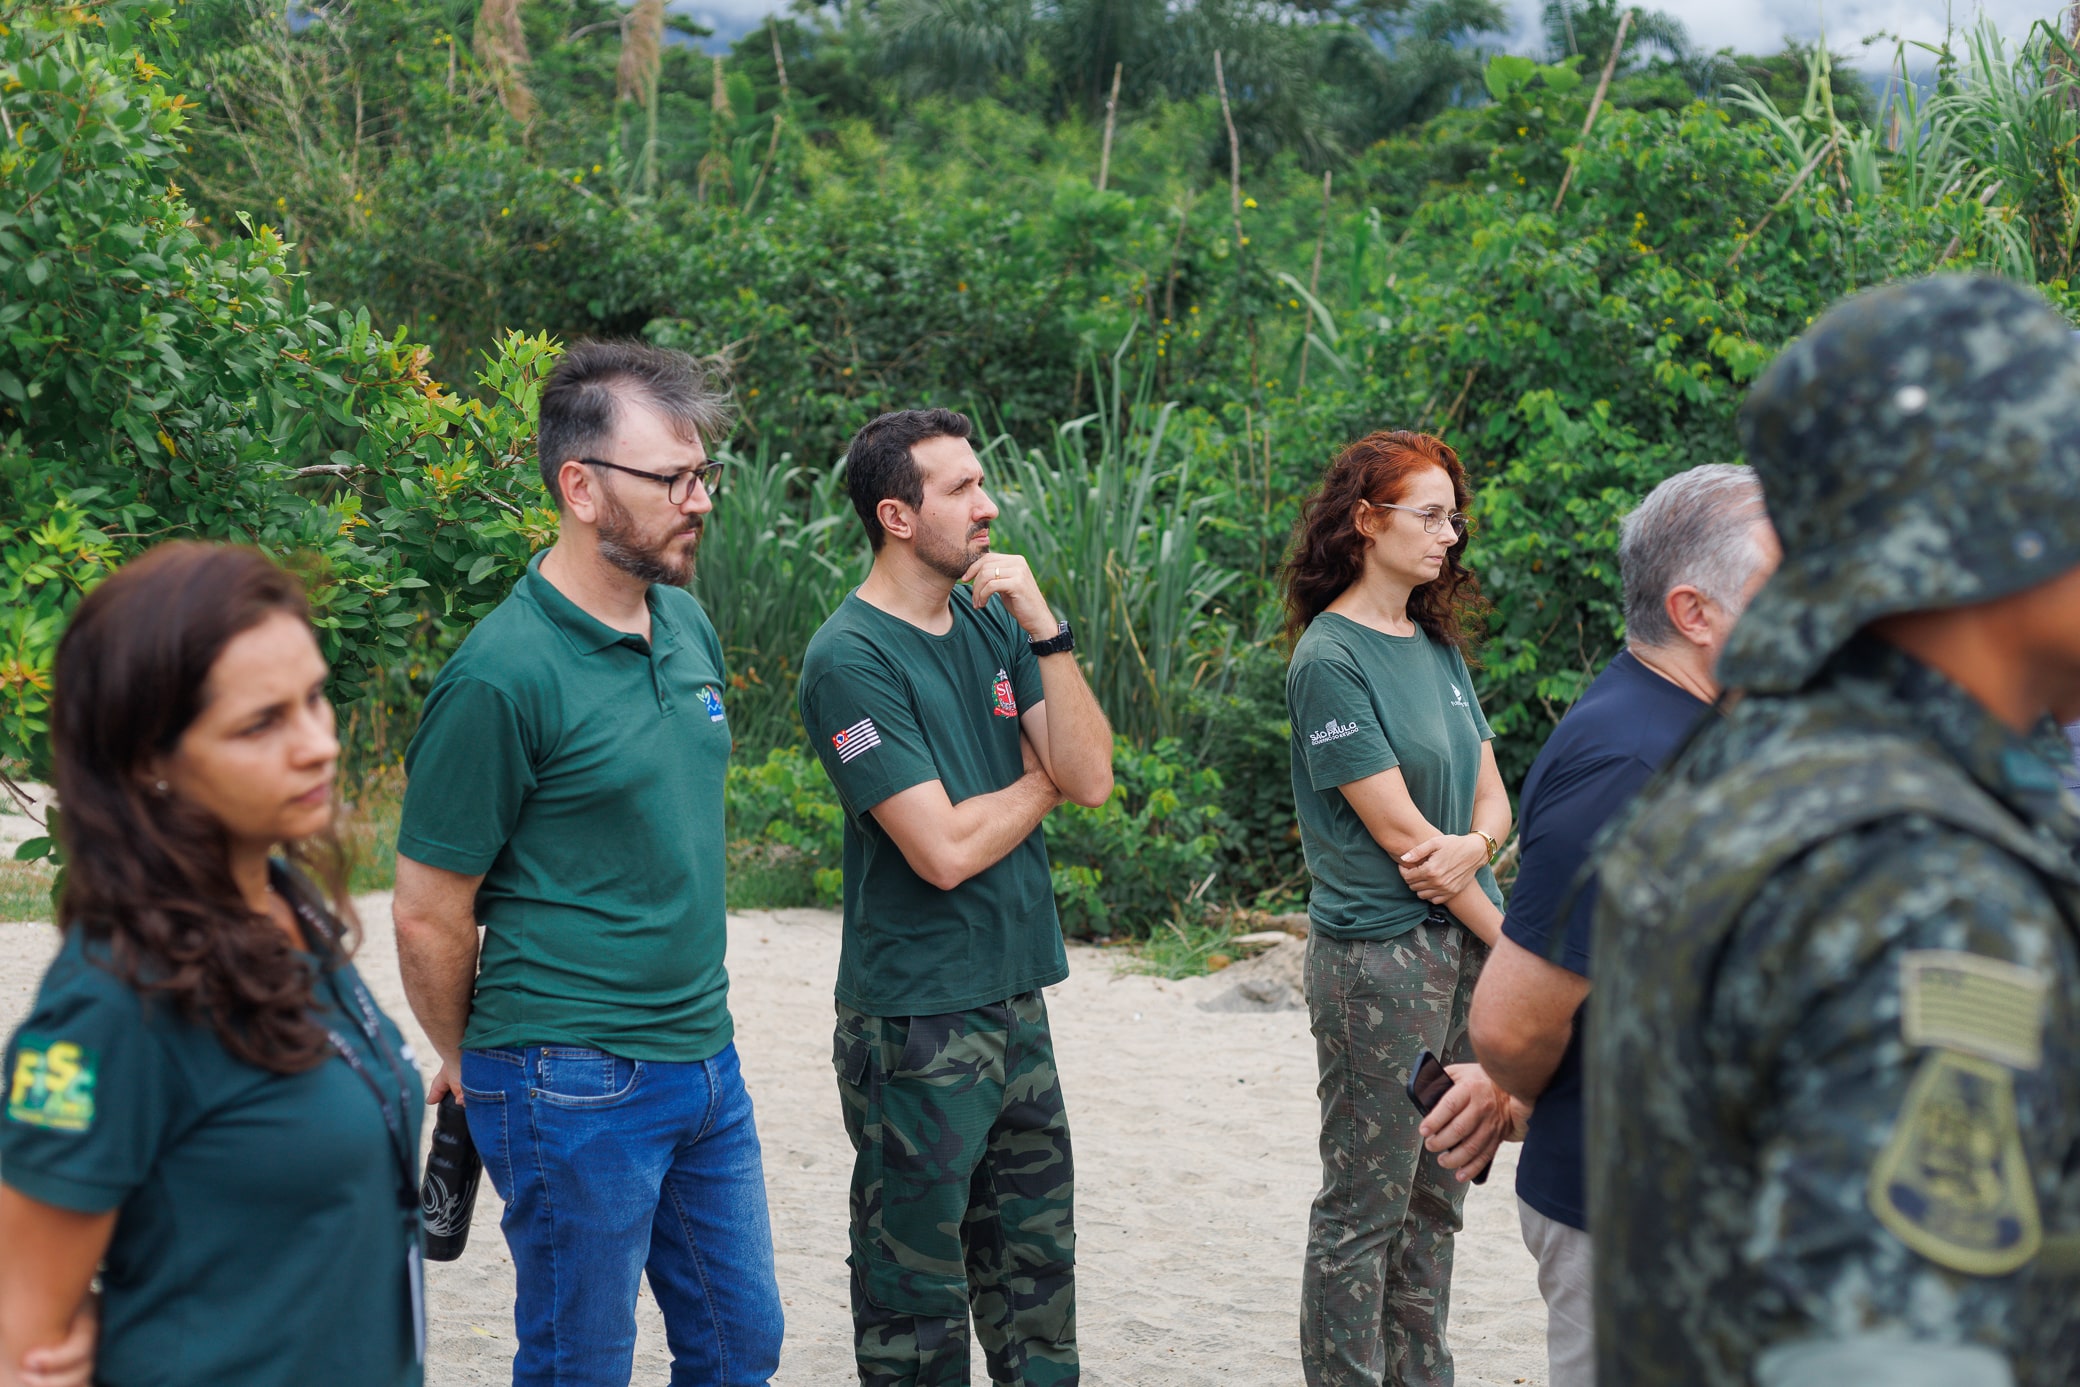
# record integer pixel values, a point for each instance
(1069, 733)
(947, 843)
(44, 1280)
(1390, 815)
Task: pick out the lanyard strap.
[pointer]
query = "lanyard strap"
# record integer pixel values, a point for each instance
(364, 1017)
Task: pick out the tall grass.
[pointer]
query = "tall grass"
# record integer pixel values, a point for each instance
(1110, 514)
(2016, 120)
(779, 554)
(2002, 130)
(1110, 517)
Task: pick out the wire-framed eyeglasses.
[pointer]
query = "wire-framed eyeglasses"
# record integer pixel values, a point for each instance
(1433, 519)
(677, 485)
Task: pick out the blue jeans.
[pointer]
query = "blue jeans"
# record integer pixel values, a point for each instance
(611, 1168)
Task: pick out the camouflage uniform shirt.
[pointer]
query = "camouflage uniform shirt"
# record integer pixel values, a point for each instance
(1835, 1071)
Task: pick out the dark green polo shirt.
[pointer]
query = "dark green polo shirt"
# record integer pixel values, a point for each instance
(889, 706)
(258, 1238)
(1362, 701)
(580, 770)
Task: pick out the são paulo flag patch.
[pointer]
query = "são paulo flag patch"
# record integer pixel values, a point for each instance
(856, 740)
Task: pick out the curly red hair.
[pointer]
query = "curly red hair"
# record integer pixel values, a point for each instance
(1328, 552)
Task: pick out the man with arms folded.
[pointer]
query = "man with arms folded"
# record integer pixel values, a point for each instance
(952, 717)
(1692, 555)
(566, 795)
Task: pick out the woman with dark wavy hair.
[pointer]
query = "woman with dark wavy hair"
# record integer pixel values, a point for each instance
(205, 1102)
(1402, 811)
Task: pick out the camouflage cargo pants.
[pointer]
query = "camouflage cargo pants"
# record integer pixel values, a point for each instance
(960, 1196)
(1376, 1288)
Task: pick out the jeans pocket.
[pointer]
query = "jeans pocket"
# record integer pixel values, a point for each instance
(486, 1113)
(572, 1076)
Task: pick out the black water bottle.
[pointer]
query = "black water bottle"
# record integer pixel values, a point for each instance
(448, 1194)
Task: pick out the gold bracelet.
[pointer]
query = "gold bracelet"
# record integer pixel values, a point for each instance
(1494, 848)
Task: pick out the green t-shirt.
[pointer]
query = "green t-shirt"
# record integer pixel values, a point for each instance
(1362, 701)
(258, 1238)
(580, 770)
(889, 706)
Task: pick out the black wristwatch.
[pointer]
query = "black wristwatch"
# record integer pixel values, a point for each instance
(1060, 643)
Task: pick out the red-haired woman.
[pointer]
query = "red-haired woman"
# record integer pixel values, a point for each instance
(204, 1101)
(1401, 812)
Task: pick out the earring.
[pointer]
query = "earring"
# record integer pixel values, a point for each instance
(159, 788)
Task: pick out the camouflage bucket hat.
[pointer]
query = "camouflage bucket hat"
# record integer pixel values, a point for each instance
(1918, 448)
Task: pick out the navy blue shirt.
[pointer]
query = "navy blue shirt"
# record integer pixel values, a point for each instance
(1624, 728)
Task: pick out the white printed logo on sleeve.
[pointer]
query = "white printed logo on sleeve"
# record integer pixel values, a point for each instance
(856, 740)
(1331, 731)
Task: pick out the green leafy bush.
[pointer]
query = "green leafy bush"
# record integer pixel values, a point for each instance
(1148, 854)
(785, 831)
(155, 386)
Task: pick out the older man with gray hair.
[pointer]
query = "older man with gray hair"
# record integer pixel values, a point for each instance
(1691, 555)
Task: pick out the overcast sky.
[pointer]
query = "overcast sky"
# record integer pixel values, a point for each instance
(1751, 26)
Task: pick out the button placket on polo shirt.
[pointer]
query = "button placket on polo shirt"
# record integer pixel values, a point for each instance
(663, 645)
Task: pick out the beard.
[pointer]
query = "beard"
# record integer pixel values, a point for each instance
(651, 558)
(946, 559)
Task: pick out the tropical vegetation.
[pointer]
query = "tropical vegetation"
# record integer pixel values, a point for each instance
(293, 276)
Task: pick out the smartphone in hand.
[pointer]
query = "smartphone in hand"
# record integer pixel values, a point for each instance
(1427, 1085)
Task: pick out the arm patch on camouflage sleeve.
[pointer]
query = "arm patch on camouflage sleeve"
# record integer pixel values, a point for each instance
(1951, 1000)
(1953, 1183)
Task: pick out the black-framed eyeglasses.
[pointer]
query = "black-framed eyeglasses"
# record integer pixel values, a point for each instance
(1433, 518)
(677, 485)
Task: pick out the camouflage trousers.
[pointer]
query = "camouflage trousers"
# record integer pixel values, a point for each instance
(1376, 1288)
(960, 1196)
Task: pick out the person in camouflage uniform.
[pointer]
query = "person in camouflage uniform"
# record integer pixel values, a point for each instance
(1835, 1067)
(948, 1193)
(947, 707)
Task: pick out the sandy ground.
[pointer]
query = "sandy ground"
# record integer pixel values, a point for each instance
(1195, 1150)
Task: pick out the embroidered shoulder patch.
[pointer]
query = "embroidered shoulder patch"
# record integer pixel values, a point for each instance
(52, 1085)
(1950, 1000)
(1953, 1183)
(856, 740)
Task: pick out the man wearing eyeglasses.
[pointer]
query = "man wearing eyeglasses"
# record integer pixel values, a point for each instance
(566, 796)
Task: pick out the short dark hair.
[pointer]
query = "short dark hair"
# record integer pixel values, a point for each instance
(880, 467)
(582, 399)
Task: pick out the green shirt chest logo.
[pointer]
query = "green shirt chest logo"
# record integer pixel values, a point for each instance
(52, 1085)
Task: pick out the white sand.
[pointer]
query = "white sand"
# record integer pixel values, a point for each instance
(1195, 1155)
